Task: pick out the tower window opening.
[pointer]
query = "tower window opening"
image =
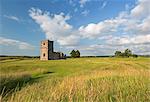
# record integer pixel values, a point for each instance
(44, 55)
(43, 43)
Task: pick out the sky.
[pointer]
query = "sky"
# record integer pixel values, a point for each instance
(94, 27)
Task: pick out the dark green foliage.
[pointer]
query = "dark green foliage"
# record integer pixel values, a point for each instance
(78, 53)
(118, 53)
(75, 54)
(126, 53)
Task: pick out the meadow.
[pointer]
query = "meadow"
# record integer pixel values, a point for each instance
(75, 80)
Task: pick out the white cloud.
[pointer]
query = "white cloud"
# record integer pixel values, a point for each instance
(109, 44)
(127, 40)
(93, 30)
(125, 22)
(15, 43)
(69, 40)
(54, 26)
(104, 49)
(130, 29)
(142, 9)
(145, 25)
(138, 44)
(12, 18)
(85, 12)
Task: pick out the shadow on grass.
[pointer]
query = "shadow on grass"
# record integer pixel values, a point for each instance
(48, 72)
(11, 84)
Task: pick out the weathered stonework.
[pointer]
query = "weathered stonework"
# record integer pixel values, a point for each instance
(47, 51)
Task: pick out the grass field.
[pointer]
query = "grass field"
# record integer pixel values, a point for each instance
(75, 80)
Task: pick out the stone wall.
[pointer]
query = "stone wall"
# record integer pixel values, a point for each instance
(47, 52)
(44, 50)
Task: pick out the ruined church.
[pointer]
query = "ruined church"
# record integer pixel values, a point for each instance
(47, 51)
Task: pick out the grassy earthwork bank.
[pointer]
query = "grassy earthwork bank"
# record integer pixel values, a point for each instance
(75, 80)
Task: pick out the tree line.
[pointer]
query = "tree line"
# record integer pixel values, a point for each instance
(126, 53)
(75, 53)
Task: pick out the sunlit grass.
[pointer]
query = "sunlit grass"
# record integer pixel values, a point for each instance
(78, 80)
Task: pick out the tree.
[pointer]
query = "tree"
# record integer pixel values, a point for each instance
(78, 53)
(73, 53)
(127, 52)
(118, 53)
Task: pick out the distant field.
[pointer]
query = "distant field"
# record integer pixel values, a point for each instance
(75, 80)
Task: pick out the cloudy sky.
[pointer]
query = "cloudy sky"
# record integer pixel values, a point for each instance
(95, 27)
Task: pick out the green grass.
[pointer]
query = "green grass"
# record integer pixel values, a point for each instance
(75, 80)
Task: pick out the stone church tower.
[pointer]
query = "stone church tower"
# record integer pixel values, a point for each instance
(46, 49)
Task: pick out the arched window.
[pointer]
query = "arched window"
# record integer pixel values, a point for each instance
(43, 43)
(43, 54)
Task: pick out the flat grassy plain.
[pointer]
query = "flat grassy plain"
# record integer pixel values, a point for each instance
(75, 80)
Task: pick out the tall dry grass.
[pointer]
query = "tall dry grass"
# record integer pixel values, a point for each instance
(78, 80)
(98, 86)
